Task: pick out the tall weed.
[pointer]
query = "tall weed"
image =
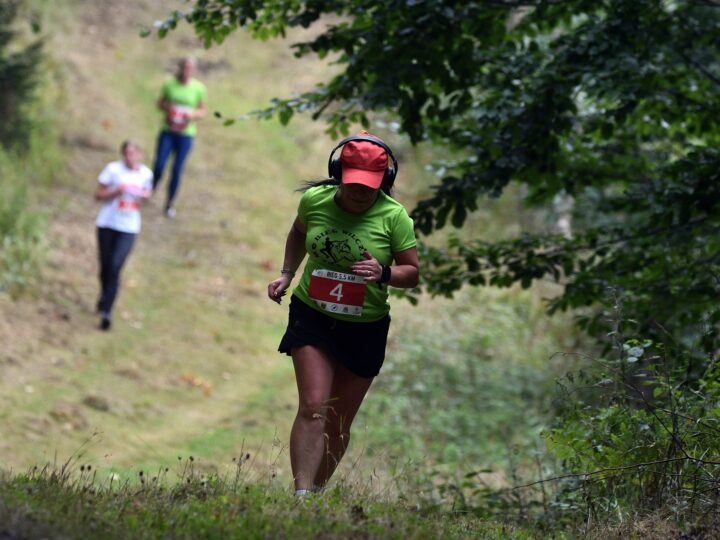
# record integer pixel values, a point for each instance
(467, 391)
(22, 230)
(59, 502)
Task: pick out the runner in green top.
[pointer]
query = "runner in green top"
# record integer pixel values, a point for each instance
(182, 101)
(352, 231)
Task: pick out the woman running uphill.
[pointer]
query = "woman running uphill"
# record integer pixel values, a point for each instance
(123, 185)
(352, 231)
(183, 101)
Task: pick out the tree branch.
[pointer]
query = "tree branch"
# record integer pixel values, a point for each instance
(706, 3)
(697, 65)
(521, 3)
(616, 469)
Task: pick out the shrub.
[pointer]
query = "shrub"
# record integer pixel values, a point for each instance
(22, 232)
(19, 78)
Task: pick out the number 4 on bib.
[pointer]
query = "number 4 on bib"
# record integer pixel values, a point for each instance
(337, 292)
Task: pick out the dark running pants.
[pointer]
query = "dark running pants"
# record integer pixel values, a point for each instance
(168, 143)
(113, 249)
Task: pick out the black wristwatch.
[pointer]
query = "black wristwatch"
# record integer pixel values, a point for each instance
(386, 274)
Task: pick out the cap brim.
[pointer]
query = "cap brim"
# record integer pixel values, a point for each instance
(371, 179)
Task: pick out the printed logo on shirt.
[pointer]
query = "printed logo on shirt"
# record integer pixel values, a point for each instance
(337, 246)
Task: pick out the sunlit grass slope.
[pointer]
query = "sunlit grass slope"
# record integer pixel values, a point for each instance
(190, 364)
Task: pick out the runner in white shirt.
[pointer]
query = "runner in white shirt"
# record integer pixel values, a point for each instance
(123, 185)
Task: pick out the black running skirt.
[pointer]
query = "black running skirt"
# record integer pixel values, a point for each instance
(359, 346)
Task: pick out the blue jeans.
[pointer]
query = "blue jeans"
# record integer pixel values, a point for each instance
(113, 249)
(167, 143)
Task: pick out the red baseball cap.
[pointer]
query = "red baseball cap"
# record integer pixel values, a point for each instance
(363, 162)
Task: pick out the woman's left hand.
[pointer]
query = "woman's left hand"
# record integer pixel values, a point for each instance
(370, 268)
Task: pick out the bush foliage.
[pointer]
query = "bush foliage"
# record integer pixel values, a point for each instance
(19, 79)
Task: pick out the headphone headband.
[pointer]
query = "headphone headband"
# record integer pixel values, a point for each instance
(362, 138)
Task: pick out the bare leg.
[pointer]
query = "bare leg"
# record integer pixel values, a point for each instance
(346, 395)
(314, 371)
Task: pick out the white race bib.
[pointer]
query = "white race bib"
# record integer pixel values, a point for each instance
(338, 292)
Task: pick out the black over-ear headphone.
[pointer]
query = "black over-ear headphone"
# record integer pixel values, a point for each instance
(335, 165)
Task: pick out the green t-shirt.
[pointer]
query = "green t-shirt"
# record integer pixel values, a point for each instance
(182, 97)
(336, 239)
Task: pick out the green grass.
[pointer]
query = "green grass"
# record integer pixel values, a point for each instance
(181, 501)
(54, 503)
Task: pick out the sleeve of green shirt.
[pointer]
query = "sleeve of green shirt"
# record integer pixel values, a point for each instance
(202, 94)
(303, 206)
(403, 233)
(165, 92)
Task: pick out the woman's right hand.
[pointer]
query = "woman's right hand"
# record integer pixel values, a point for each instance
(278, 288)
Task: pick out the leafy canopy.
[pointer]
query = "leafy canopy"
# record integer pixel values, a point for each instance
(611, 104)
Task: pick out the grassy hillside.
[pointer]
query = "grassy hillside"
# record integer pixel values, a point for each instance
(191, 327)
(190, 367)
